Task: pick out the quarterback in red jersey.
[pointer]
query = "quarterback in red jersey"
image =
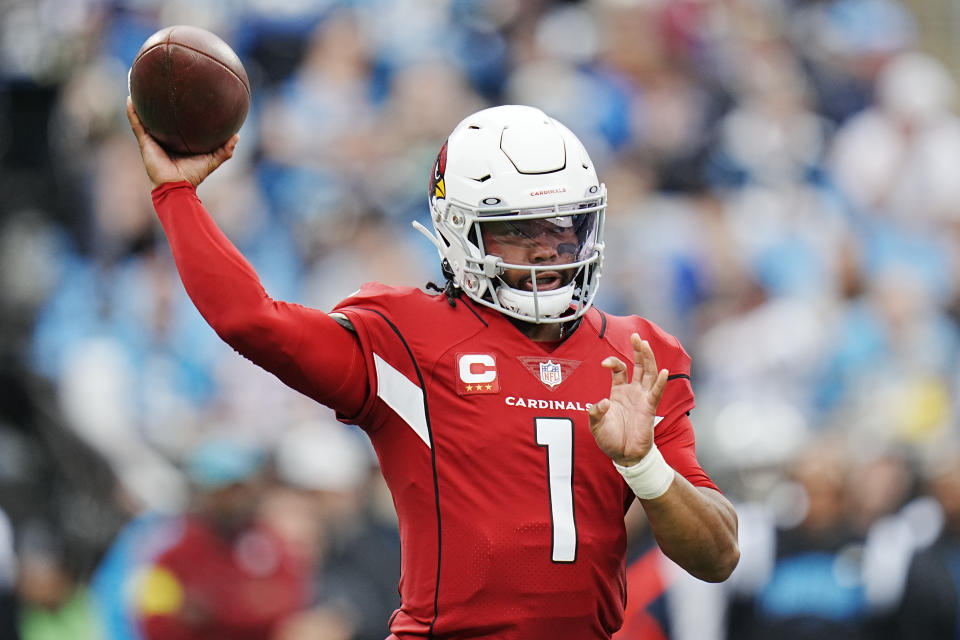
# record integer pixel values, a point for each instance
(509, 427)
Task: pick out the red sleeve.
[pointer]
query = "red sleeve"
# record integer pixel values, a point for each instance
(674, 434)
(303, 347)
(677, 444)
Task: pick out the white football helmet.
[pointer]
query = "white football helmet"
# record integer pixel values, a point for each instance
(512, 181)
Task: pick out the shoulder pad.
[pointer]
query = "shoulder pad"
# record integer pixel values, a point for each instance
(376, 294)
(670, 353)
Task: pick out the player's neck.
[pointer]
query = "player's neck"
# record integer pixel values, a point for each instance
(552, 332)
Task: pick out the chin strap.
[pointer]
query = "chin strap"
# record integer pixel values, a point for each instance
(449, 289)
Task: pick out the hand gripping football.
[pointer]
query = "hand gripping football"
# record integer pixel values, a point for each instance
(189, 89)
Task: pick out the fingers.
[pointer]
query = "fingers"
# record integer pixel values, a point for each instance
(225, 152)
(597, 411)
(216, 158)
(659, 385)
(135, 123)
(649, 360)
(153, 156)
(639, 360)
(644, 362)
(618, 370)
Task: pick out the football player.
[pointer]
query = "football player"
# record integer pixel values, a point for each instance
(514, 422)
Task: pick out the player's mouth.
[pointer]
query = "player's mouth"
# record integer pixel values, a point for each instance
(546, 281)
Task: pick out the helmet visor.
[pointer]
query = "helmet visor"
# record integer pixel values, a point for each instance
(558, 239)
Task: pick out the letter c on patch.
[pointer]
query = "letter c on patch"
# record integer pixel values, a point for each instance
(477, 368)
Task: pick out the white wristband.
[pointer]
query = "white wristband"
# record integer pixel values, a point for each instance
(651, 477)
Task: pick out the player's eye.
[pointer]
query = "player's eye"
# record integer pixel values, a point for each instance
(506, 230)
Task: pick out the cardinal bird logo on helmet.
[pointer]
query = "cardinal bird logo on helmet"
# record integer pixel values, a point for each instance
(437, 189)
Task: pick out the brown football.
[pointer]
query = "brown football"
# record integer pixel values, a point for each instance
(189, 89)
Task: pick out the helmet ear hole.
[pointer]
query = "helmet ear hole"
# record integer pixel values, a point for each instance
(471, 283)
(457, 220)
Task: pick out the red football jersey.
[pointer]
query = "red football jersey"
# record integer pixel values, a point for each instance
(511, 518)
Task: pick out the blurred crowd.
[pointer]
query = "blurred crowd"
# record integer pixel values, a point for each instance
(784, 198)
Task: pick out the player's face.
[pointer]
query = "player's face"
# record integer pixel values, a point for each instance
(536, 243)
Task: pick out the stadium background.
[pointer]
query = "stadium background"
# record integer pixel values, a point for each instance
(784, 198)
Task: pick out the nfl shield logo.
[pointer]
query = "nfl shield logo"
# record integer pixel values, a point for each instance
(550, 373)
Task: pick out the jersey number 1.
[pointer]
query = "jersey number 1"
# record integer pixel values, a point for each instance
(556, 434)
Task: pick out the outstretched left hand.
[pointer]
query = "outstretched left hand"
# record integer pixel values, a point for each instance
(623, 423)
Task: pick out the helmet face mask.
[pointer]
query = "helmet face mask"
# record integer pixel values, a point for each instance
(518, 214)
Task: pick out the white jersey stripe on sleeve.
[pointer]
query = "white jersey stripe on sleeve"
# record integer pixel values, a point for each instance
(403, 396)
